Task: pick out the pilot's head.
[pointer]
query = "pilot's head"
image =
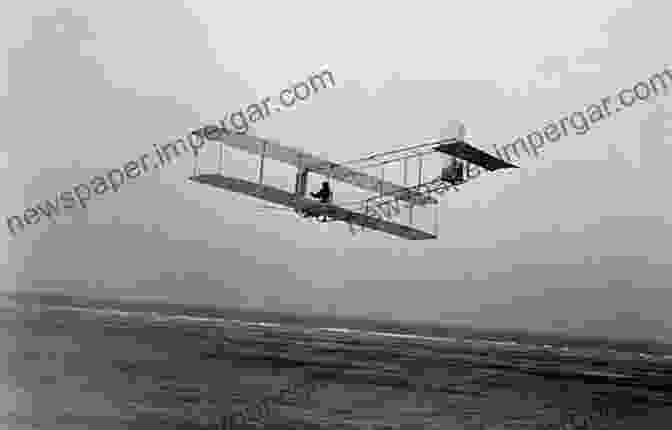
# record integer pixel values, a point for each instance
(325, 184)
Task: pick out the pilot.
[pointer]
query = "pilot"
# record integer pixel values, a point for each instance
(459, 174)
(324, 194)
(454, 173)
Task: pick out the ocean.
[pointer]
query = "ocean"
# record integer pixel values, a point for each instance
(75, 363)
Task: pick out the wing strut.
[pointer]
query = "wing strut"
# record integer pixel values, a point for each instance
(262, 155)
(303, 160)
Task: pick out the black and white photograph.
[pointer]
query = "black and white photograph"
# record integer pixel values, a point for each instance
(344, 215)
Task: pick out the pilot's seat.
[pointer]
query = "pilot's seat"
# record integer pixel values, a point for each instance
(454, 173)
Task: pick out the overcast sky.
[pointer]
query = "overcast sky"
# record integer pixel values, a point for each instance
(577, 238)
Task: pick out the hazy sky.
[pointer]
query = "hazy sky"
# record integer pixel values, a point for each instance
(577, 238)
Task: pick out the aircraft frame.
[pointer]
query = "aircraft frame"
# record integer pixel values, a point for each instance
(385, 192)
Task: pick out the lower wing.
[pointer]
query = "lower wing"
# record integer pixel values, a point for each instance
(341, 214)
(314, 208)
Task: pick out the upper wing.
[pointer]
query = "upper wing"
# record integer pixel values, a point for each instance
(473, 155)
(303, 160)
(260, 191)
(282, 197)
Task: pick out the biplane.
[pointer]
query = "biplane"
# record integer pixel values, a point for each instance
(364, 213)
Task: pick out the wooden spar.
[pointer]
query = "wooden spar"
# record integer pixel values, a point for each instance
(262, 154)
(410, 214)
(196, 169)
(410, 206)
(382, 179)
(332, 184)
(299, 176)
(221, 158)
